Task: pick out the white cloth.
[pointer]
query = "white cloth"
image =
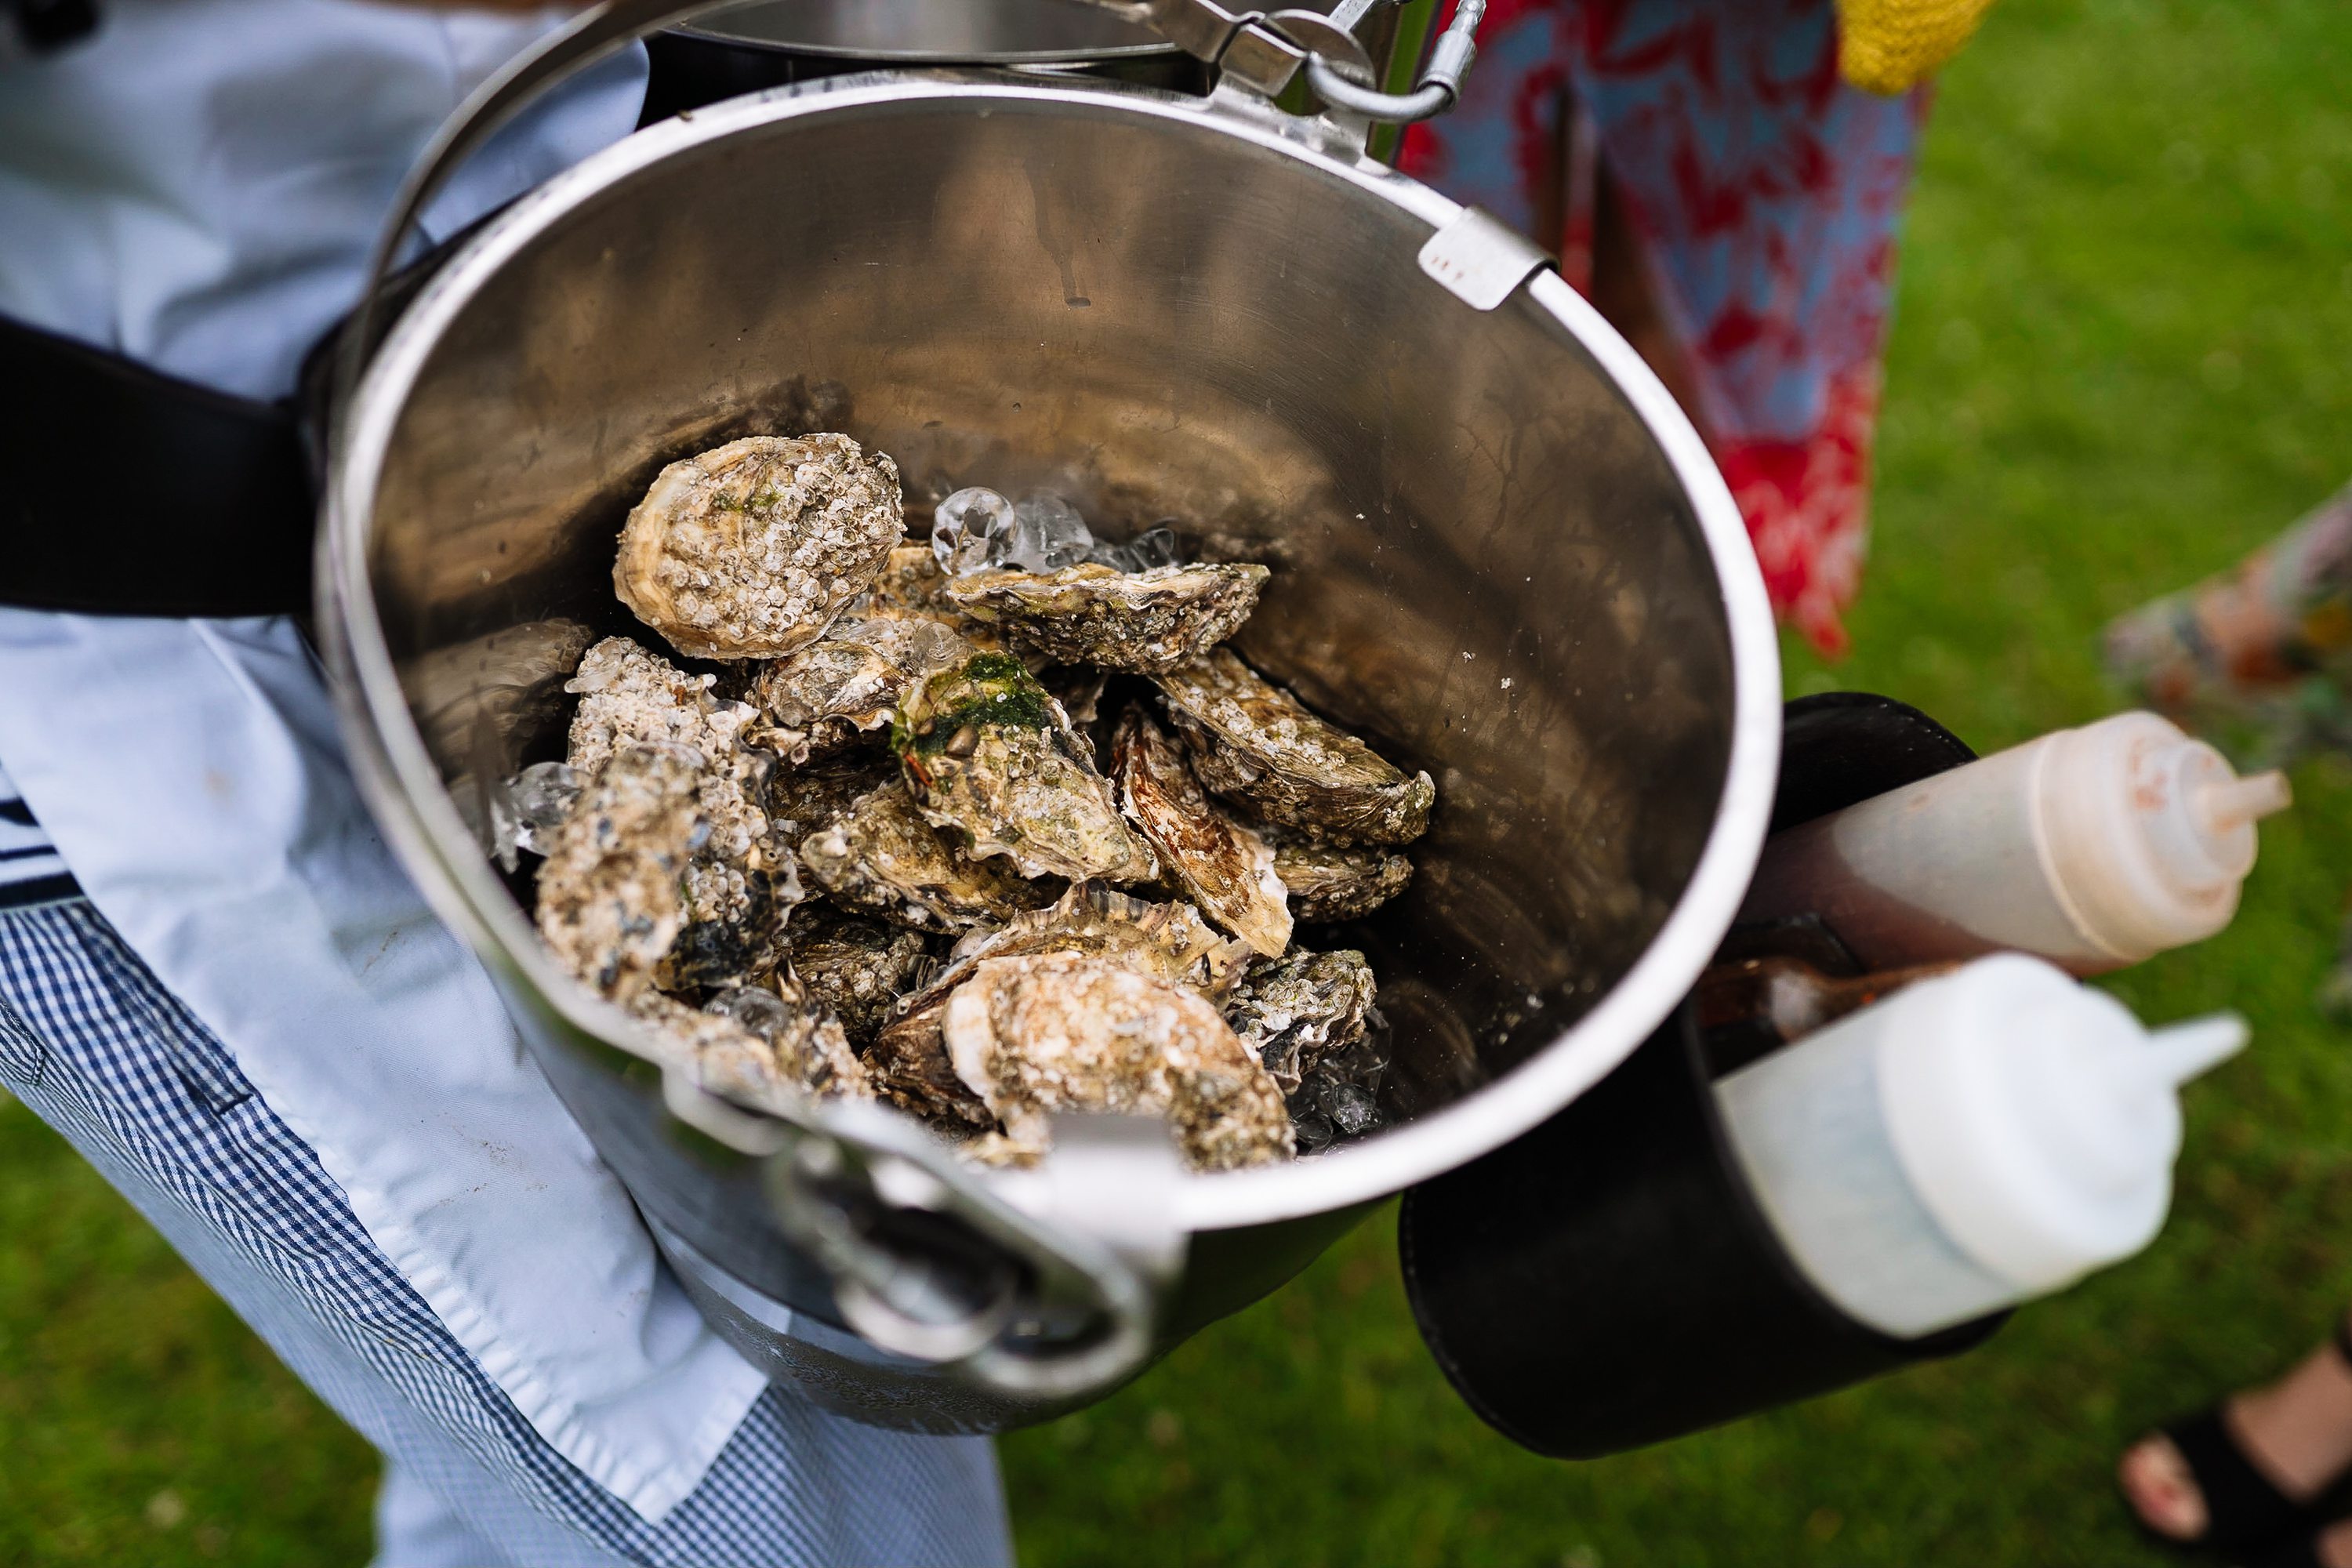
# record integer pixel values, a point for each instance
(197, 187)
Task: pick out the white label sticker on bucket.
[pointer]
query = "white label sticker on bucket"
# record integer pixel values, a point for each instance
(1480, 258)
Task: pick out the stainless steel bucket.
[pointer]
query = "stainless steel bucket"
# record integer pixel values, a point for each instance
(1499, 548)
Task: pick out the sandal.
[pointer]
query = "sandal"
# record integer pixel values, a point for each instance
(2302, 1552)
(2245, 1514)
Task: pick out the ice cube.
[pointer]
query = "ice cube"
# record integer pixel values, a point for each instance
(1154, 547)
(968, 530)
(1309, 1126)
(1118, 557)
(1047, 535)
(1351, 1110)
(541, 797)
(1361, 1063)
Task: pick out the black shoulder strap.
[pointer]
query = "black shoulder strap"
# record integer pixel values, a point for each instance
(129, 492)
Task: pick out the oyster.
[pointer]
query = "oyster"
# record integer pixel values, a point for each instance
(1339, 881)
(852, 678)
(734, 924)
(1228, 869)
(856, 968)
(1147, 622)
(629, 694)
(908, 590)
(810, 1048)
(1167, 942)
(988, 754)
(1170, 940)
(748, 550)
(909, 1067)
(882, 857)
(1254, 741)
(755, 1047)
(1070, 1032)
(610, 901)
(738, 884)
(1295, 1012)
(800, 800)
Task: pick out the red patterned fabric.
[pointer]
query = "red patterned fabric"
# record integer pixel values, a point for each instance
(1765, 196)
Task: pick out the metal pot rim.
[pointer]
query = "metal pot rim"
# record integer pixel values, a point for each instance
(404, 790)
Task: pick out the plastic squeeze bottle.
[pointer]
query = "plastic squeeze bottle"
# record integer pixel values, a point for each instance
(2092, 847)
(1974, 1140)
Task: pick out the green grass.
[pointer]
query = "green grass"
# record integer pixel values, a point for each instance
(2122, 356)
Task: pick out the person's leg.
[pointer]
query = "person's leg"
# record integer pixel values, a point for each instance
(2296, 1433)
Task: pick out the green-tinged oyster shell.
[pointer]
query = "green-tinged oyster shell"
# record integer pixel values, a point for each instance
(990, 757)
(1228, 870)
(1253, 742)
(747, 550)
(1052, 1032)
(1145, 622)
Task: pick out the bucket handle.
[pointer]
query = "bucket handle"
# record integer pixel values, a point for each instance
(1265, 51)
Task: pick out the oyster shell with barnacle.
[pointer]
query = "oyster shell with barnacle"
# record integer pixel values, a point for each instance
(609, 899)
(1052, 1032)
(989, 756)
(852, 678)
(1227, 869)
(1338, 881)
(857, 968)
(1169, 941)
(629, 693)
(1145, 622)
(734, 924)
(907, 589)
(1294, 1012)
(748, 550)
(760, 1046)
(1253, 742)
(736, 886)
(882, 855)
(800, 798)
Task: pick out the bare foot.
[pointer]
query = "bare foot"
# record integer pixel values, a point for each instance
(2296, 1432)
(2157, 1483)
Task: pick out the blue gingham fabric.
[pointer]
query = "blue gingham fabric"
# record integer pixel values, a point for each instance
(94, 1045)
(31, 871)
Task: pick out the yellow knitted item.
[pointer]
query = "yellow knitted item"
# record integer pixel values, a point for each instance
(1886, 46)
